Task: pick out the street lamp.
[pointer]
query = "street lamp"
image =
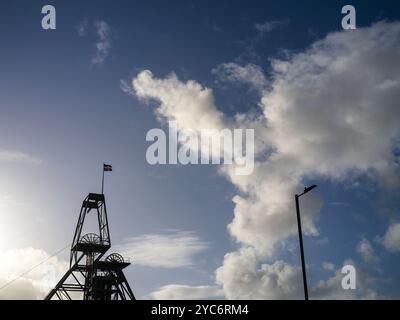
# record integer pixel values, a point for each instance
(303, 265)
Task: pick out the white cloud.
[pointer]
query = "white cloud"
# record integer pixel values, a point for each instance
(184, 292)
(125, 87)
(12, 155)
(269, 26)
(241, 279)
(331, 97)
(265, 215)
(103, 45)
(366, 251)
(103, 33)
(15, 268)
(170, 250)
(190, 104)
(19, 290)
(325, 114)
(248, 74)
(391, 239)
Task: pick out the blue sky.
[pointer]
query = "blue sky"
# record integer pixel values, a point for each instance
(62, 116)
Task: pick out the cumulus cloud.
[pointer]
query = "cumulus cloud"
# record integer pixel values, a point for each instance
(169, 250)
(329, 112)
(12, 155)
(28, 273)
(250, 74)
(241, 278)
(276, 281)
(184, 292)
(190, 104)
(391, 239)
(19, 290)
(366, 251)
(331, 97)
(103, 45)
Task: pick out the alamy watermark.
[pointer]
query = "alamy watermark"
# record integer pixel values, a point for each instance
(349, 278)
(49, 18)
(205, 146)
(349, 20)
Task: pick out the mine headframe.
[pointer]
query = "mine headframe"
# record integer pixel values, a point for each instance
(89, 276)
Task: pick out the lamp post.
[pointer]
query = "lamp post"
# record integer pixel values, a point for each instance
(303, 264)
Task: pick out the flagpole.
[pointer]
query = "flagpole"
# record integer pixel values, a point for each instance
(102, 182)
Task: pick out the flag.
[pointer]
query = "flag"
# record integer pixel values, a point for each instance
(107, 167)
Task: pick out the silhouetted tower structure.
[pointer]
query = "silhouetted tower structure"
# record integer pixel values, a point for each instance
(89, 274)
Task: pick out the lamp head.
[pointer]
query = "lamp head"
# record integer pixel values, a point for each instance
(307, 189)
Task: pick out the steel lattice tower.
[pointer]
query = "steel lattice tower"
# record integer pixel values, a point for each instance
(89, 274)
